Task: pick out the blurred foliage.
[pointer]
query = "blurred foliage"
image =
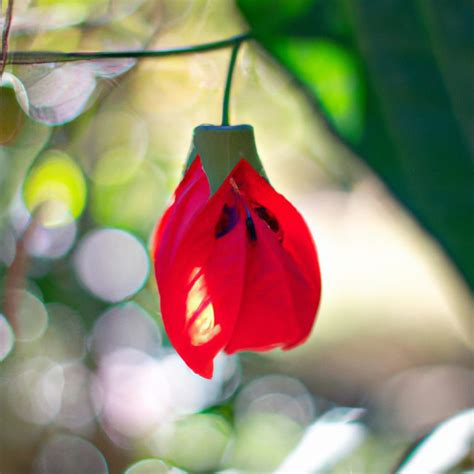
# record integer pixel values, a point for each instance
(416, 60)
(332, 75)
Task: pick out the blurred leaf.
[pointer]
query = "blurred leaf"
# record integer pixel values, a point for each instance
(225, 410)
(331, 73)
(56, 94)
(328, 440)
(268, 15)
(451, 33)
(53, 94)
(442, 449)
(376, 454)
(417, 57)
(295, 33)
(415, 141)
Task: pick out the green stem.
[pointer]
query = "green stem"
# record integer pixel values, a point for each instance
(40, 57)
(228, 84)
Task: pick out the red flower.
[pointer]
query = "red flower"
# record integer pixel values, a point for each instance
(236, 270)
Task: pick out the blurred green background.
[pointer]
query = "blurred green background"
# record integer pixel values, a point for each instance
(363, 115)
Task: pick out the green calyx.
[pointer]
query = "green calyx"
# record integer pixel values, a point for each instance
(221, 148)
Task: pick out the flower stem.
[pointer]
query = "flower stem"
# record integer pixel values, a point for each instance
(228, 84)
(41, 57)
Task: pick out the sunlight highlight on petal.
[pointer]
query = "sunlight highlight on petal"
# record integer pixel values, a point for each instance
(200, 311)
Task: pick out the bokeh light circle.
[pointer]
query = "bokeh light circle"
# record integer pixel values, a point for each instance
(133, 204)
(77, 410)
(72, 455)
(125, 326)
(110, 158)
(35, 391)
(277, 394)
(51, 242)
(116, 165)
(197, 442)
(56, 184)
(131, 394)
(263, 441)
(149, 466)
(64, 339)
(31, 317)
(190, 392)
(112, 264)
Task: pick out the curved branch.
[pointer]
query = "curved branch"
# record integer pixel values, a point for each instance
(41, 57)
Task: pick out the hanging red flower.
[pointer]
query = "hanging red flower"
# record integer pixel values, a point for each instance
(236, 270)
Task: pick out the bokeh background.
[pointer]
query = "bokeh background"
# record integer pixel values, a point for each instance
(361, 120)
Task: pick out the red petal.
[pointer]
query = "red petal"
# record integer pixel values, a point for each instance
(202, 290)
(222, 288)
(189, 198)
(283, 284)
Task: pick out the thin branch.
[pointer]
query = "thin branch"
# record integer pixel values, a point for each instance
(5, 35)
(15, 277)
(228, 84)
(41, 57)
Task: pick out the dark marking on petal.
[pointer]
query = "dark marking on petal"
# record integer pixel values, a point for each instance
(227, 221)
(251, 231)
(270, 220)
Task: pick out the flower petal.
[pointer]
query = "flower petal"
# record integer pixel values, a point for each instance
(202, 289)
(189, 198)
(283, 284)
(236, 271)
(266, 318)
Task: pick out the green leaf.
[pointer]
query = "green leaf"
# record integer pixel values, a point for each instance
(268, 15)
(416, 141)
(408, 78)
(331, 73)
